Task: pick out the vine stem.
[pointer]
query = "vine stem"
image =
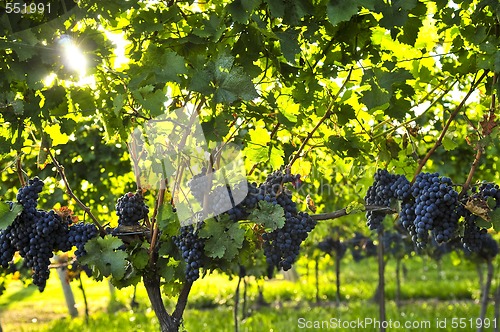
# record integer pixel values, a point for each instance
(343, 212)
(154, 223)
(447, 125)
(19, 170)
(69, 191)
(327, 114)
(182, 302)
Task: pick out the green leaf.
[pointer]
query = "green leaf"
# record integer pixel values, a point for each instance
(235, 85)
(259, 135)
(269, 215)
(256, 153)
(289, 41)
(140, 258)
(340, 10)
(495, 219)
(375, 98)
(276, 157)
(242, 9)
(25, 45)
(7, 215)
(167, 220)
(277, 7)
(170, 67)
(224, 238)
(448, 143)
(83, 100)
(354, 207)
(102, 254)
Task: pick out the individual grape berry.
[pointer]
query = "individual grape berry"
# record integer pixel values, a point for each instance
(131, 208)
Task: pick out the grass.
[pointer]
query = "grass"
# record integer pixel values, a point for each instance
(428, 293)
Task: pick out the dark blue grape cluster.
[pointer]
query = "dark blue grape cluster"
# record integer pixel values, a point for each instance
(28, 195)
(489, 247)
(475, 239)
(7, 249)
(240, 211)
(473, 235)
(282, 246)
(35, 234)
(330, 245)
(434, 204)
(385, 188)
(79, 234)
(220, 200)
(361, 247)
(191, 247)
(131, 208)
(201, 185)
(395, 245)
(487, 191)
(407, 217)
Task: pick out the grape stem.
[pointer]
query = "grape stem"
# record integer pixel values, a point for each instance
(328, 113)
(69, 191)
(447, 125)
(343, 212)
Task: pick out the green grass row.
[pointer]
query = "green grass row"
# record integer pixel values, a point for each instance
(429, 293)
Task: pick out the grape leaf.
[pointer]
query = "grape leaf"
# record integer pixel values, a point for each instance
(103, 255)
(340, 10)
(354, 207)
(7, 215)
(167, 220)
(495, 219)
(224, 238)
(140, 258)
(478, 207)
(269, 215)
